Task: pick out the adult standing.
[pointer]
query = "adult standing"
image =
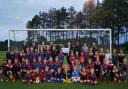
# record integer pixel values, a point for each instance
(78, 47)
(94, 48)
(85, 50)
(70, 48)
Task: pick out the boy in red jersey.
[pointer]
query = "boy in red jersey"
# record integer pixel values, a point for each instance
(97, 67)
(37, 76)
(110, 67)
(9, 69)
(83, 78)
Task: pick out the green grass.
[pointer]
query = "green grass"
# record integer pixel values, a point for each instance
(101, 85)
(2, 55)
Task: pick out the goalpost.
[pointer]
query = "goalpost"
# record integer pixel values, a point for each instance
(97, 34)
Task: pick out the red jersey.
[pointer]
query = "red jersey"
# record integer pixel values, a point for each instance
(82, 58)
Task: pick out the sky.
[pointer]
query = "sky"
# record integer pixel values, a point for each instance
(14, 14)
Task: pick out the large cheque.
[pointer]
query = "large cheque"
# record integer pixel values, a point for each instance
(65, 50)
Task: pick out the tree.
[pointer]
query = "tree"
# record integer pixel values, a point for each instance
(112, 14)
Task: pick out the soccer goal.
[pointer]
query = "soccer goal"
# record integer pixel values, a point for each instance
(102, 37)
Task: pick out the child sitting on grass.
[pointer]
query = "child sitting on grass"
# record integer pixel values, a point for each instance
(83, 78)
(48, 75)
(37, 76)
(104, 70)
(124, 70)
(58, 76)
(67, 74)
(110, 67)
(75, 75)
(27, 78)
(9, 69)
(16, 70)
(92, 79)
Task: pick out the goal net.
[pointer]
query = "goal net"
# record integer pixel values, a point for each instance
(102, 37)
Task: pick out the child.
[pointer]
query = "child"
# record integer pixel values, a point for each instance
(115, 73)
(71, 57)
(75, 75)
(3, 71)
(56, 64)
(10, 55)
(92, 79)
(121, 56)
(9, 69)
(89, 65)
(48, 75)
(97, 67)
(110, 67)
(45, 63)
(16, 70)
(58, 76)
(77, 56)
(17, 54)
(104, 69)
(27, 78)
(37, 76)
(114, 57)
(101, 55)
(124, 69)
(78, 65)
(95, 56)
(22, 55)
(90, 54)
(40, 64)
(61, 56)
(24, 67)
(50, 64)
(34, 64)
(28, 65)
(83, 78)
(82, 59)
(67, 74)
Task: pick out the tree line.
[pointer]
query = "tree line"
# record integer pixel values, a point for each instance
(111, 14)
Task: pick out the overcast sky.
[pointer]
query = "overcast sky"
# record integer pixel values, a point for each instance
(15, 13)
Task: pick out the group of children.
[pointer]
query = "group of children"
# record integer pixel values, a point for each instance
(85, 65)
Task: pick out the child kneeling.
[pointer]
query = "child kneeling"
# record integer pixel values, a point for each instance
(92, 79)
